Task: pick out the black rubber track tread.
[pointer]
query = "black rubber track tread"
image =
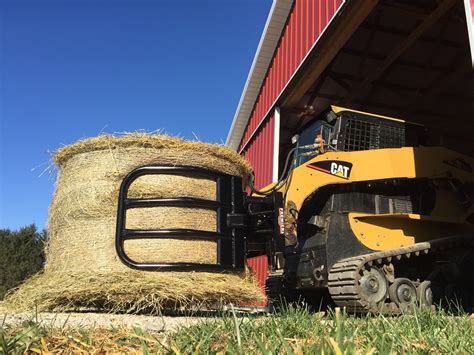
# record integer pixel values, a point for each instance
(344, 276)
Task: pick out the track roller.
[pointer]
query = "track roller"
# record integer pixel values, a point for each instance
(402, 291)
(425, 294)
(373, 285)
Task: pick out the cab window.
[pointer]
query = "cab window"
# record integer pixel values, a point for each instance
(307, 137)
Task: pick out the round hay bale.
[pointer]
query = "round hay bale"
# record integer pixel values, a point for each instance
(82, 268)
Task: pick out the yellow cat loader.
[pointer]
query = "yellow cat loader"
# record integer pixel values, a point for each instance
(364, 209)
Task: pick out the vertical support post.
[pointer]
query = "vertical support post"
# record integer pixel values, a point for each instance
(276, 143)
(469, 8)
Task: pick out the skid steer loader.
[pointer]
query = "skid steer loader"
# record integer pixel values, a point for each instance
(364, 209)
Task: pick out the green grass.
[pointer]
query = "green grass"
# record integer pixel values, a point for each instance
(292, 330)
(296, 330)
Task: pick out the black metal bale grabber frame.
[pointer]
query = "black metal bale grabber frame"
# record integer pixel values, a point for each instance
(229, 200)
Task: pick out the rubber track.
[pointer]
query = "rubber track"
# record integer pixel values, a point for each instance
(343, 279)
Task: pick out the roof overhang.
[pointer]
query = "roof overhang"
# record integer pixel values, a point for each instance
(407, 59)
(268, 42)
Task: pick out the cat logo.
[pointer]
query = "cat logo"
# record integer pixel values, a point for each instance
(340, 170)
(337, 168)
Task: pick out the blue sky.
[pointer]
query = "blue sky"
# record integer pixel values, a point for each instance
(73, 69)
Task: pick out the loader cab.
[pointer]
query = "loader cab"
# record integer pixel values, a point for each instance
(347, 130)
(307, 137)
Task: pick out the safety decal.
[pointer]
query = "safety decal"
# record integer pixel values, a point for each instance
(337, 168)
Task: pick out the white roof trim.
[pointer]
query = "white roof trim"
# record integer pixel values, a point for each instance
(271, 35)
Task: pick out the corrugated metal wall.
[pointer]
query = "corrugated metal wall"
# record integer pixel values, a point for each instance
(305, 23)
(260, 153)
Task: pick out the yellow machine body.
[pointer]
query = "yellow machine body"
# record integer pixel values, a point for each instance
(388, 231)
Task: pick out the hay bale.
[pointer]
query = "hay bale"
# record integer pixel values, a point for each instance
(83, 270)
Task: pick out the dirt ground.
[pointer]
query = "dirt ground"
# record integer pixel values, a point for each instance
(98, 320)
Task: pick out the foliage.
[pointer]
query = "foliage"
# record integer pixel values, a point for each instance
(21, 255)
(294, 330)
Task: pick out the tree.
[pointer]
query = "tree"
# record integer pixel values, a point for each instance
(21, 255)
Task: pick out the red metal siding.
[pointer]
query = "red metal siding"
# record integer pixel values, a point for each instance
(306, 21)
(260, 153)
